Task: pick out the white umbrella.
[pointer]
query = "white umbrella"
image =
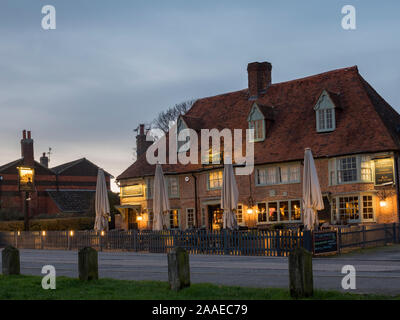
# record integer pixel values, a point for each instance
(229, 197)
(312, 197)
(102, 204)
(160, 198)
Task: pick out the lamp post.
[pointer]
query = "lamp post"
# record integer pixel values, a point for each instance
(26, 186)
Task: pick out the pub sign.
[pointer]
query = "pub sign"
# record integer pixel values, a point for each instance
(384, 171)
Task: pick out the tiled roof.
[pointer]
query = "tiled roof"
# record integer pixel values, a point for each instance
(364, 121)
(61, 168)
(73, 201)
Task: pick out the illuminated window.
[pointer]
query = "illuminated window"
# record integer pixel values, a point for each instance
(239, 214)
(174, 219)
(283, 211)
(348, 208)
(366, 168)
(262, 212)
(295, 210)
(368, 209)
(215, 179)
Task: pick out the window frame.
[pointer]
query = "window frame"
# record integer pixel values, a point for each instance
(335, 216)
(278, 203)
(321, 108)
(242, 223)
(178, 218)
(278, 174)
(209, 188)
(170, 195)
(187, 218)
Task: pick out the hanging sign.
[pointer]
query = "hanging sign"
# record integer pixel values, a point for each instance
(26, 179)
(383, 171)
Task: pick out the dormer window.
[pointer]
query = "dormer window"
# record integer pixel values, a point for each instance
(256, 121)
(325, 113)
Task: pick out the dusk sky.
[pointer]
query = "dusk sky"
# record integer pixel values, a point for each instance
(110, 65)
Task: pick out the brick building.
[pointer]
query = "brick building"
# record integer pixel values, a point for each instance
(353, 132)
(68, 188)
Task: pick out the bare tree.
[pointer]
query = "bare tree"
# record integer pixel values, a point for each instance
(164, 118)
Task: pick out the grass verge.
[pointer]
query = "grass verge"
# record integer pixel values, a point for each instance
(25, 287)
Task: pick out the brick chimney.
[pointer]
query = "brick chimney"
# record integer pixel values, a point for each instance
(259, 74)
(27, 149)
(44, 160)
(141, 144)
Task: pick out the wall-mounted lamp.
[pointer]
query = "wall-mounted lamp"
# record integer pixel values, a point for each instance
(71, 233)
(102, 233)
(383, 203)
(139, 218)
(43, 233)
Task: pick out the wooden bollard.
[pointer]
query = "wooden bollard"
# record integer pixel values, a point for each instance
(178, 269)
(88, 264)
(10, 261)
(301, 273)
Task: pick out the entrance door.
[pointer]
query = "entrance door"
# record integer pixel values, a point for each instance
(132, 223)
(215, 216)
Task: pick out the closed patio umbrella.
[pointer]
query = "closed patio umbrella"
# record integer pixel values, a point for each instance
(312, 197)
(102, 204)
(160, 199)
(229, 197)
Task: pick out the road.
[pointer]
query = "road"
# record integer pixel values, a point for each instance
(377, 271)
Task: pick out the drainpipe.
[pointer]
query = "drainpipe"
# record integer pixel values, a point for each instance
(396, 169)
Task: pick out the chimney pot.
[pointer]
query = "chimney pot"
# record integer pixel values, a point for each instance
(24, 134)
(29, 134)
(27, 149)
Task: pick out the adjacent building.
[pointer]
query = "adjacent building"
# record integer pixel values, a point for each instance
(68, 188)
(354, 135)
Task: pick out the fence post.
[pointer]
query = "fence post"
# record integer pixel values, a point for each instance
(307, 240)
(363, 236)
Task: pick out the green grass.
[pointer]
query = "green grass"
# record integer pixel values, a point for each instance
(29, 287)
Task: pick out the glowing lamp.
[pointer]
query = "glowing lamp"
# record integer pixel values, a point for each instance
(102, 233)
(71, 233)
(139, 218)
(249, 211)
(383, 203)
(43, 233)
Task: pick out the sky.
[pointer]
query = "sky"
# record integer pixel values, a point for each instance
(110, 65)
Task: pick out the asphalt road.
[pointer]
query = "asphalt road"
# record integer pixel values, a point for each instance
(377, 271)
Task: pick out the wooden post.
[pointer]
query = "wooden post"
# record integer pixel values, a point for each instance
(88, 264)
(178, 269)
(10, 261)
(300, 273)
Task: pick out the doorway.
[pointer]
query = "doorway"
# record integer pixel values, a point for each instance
(132, 222)
(215, 216)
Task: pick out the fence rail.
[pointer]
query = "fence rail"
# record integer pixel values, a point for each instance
(198, 241)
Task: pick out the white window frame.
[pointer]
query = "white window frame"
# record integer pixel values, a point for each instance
(335, 217)
(242, 223)
(256, 115)
(333, 169)
(321, 108)
(170, 195)
(278, 175)
(208, 180)
(187, 218)
(289, 201)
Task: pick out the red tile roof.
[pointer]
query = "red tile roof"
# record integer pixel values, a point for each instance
(364, 121)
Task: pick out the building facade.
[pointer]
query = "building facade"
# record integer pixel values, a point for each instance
(354, 135)
(68, 188)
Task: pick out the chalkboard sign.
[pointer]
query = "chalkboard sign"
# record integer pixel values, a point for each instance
(325, 242)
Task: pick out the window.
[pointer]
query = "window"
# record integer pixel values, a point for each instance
(353, 208)
(351, 169)
(174, 219)
(150, 220)
(190, 218)
(258, 126)
(262, 212)
(149, 188)
(348, 208)
(279, 211)
(368, 209)
(173, 187)
(239, 214)
(203, 217)
(215, 180)
(213, 157)
(347, 169)
(325, 113)
(278, 175)
(256, 121)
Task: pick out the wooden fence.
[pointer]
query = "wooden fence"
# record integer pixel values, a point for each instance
(199, 241)
(196, 241)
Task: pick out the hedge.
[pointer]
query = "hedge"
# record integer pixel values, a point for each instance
(62, 224)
